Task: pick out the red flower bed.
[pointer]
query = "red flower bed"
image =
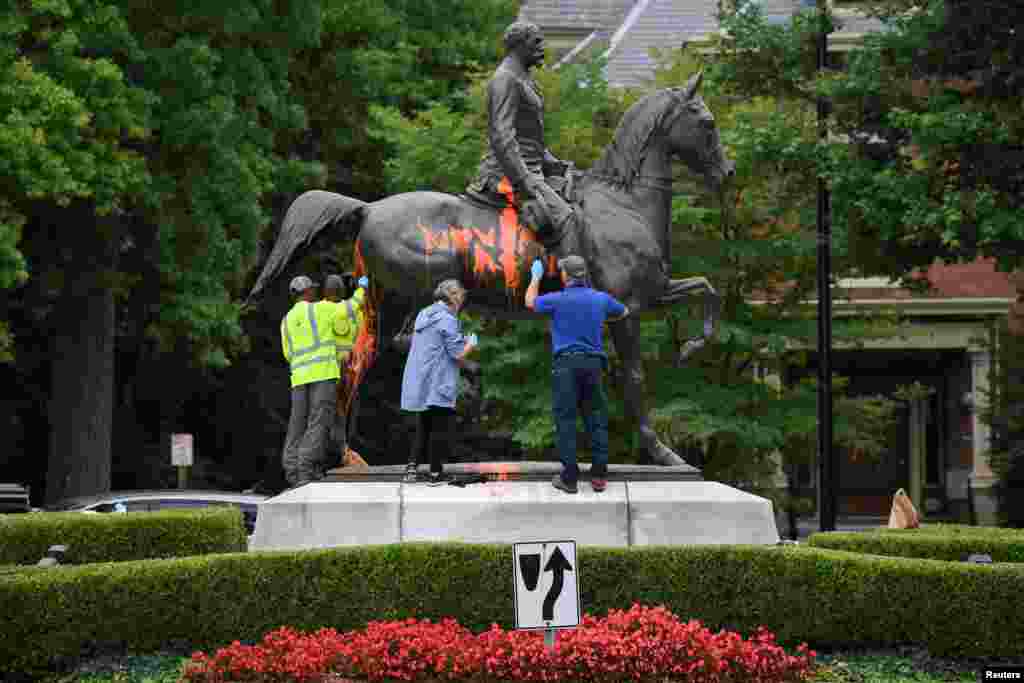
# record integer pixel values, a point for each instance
(642, 643)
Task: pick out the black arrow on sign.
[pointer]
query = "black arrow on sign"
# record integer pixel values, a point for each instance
(559, 565)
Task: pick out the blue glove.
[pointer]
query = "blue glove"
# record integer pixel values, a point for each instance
(537, 269)
(472, 339)
(363, 282)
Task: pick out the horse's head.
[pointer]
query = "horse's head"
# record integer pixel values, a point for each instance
(693, 135)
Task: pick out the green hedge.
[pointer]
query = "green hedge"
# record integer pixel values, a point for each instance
(112, 537)
(817, 595)
(950, 542)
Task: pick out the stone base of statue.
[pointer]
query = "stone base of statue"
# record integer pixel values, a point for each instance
(643, 505)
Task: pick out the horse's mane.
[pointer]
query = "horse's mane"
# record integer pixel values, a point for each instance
(621, 160)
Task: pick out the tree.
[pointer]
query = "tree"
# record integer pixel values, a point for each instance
(140, 142)
(405, 56)
(924, 157)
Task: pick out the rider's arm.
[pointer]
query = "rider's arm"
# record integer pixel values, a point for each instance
(502, 106)
(553, 165)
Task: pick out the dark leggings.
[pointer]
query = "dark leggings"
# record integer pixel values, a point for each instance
(435, 432)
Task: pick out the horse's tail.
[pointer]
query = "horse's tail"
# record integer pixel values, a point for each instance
(315, 221)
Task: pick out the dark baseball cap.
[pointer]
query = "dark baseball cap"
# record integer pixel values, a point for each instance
(574, 266)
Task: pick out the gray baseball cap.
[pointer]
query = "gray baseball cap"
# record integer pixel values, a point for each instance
(574, 266)
(334, 282)
(300, 284)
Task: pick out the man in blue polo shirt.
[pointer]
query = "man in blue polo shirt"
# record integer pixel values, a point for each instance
(577, 315)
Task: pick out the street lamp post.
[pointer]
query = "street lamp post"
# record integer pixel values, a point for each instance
(826, 457)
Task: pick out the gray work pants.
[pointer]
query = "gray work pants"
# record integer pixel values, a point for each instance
(342, 428)
(309, 426)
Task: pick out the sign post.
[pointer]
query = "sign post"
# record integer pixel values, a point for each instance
(181, 456)
(547, 593)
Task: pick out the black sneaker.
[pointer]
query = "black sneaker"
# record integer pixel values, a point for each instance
(411, 476)
(438, 478)
(560, 484)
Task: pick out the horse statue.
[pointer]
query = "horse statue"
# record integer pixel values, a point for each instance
(409, 242)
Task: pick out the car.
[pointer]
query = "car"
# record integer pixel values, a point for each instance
(14, 498)
(166, 499)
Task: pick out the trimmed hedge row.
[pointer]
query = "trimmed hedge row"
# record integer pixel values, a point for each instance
(818, 595)
(949, 542)
(111, 537)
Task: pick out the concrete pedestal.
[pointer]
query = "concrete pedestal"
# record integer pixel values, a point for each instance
(522, 506)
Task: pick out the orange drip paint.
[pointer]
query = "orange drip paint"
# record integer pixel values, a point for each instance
(364, 350)
(510, 237)
(433, 240)
(483, 263)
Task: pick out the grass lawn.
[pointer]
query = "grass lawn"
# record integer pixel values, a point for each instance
(889, 666)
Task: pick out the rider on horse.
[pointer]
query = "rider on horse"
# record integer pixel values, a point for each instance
(516, 151)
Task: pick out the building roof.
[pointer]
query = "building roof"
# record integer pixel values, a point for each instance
(662, 25)
(640, 25)
(575, 15)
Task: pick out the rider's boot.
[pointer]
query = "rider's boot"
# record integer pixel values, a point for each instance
(551, 221)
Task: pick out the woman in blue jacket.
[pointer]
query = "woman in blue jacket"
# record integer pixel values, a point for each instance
(430, 382)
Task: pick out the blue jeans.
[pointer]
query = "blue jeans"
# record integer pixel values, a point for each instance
(576, 387)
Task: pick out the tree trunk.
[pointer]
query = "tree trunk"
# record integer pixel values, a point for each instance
(82, 385)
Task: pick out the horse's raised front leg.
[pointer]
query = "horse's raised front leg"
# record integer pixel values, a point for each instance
(626, 334)
(679, 290)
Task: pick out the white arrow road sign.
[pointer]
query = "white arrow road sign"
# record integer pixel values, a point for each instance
(547, 592)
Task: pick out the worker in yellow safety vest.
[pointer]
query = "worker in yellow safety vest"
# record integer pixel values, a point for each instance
(309, 342)
(346, 327)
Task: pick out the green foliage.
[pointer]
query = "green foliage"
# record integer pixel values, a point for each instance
(802, 594)
(67, 121)
(1003, 411)
(758, 249)
(581, 112)
(437, 150)
(949, 542)
(408, 57)
(923, 155)
(440, 147)
(119, 537)
(165, 121)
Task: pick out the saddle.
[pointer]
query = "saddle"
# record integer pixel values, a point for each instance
(530, 213)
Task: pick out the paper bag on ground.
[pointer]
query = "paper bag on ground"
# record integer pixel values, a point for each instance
(904, 514)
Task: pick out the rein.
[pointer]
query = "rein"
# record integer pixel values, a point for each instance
(653, 182)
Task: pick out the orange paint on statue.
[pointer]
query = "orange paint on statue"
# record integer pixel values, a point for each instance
(488, 252)
(365, 347)
(433, 240)
(488, 239)
(484, 264)
(459, 241)
(510, 237)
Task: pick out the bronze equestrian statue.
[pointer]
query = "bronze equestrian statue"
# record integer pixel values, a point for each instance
(515, 131)
(407, 243)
